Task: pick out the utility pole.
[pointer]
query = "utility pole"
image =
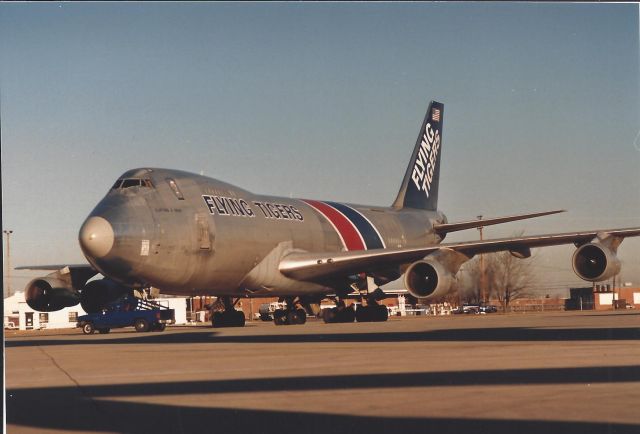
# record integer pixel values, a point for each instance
(483, 295)
(8, 264)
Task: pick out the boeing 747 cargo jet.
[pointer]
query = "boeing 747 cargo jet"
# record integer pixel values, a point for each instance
(192, 235)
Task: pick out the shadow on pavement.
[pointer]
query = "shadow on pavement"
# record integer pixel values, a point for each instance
(88, 408)
(581, 375)
(504, 334)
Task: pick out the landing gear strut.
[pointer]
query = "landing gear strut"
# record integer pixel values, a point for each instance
(293, 314)
(229, 317)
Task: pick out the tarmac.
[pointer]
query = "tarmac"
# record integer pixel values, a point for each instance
(569, 372)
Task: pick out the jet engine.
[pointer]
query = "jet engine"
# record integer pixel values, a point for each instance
(48, 294)
(428, 279)
(98, 293)
(595, 262)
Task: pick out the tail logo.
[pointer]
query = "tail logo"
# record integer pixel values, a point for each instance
(422, 174)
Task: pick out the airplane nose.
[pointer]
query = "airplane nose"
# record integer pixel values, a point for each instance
(96, 237)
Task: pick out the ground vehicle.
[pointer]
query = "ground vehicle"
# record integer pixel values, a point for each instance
(128, 311)
(489, 308)
(474, 308)
(470, 308)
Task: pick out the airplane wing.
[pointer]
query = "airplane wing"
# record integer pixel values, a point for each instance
(320, 266)
(55, 267)
(78, 273)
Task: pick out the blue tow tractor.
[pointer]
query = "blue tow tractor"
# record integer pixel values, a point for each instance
(144, 315)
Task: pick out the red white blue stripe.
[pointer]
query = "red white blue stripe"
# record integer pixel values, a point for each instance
(354, 229)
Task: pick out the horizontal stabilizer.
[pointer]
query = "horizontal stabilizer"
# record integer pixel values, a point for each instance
(445, 228)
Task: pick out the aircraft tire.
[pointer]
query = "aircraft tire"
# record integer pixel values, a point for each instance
(381, 313)
(88, 329)
(292, 317)
(217, 320)
(302, 316)
(238, 319)
(280, 317)
(141, 325)
(329, 315)
(348, 315)
(363, 314)
(296, 316)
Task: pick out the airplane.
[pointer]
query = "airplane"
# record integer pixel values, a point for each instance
(189, 234)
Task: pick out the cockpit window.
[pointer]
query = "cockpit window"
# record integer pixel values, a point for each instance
(175, 189)
(132, 182)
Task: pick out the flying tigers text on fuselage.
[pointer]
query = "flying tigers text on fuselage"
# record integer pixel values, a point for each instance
(230, 206)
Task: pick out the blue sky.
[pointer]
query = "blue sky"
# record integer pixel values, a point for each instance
(323, 100)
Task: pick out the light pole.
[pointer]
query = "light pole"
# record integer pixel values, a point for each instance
(8, 263)
(483, 295)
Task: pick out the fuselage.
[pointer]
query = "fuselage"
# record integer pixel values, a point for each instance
(190, 234)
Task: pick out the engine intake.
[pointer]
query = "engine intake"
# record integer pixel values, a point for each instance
(47, 294)
(428, 279)
(595, 262)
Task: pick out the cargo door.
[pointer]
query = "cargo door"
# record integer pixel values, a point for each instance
(203, 235)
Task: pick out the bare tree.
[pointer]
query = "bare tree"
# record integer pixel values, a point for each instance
(508, 277)
(469, 281)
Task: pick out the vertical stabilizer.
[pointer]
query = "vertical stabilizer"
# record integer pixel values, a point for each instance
(419, 187)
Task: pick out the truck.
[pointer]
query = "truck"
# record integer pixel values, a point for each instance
(128, 311)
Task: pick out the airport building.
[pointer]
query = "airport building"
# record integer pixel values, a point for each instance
(621, 298)
(603, 297)
(18, 314)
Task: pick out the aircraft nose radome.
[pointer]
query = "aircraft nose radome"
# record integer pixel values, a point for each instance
(96, 237)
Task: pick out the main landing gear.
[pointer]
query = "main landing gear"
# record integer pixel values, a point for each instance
(229, 317)
(372, 311)
(339, 314)
(294, 313)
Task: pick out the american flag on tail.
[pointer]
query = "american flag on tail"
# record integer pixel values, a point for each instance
(435, 115)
